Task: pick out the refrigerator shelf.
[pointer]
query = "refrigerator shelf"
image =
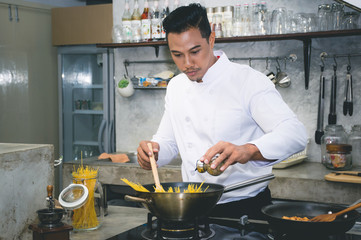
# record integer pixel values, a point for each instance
(93, 86)
(86, 143)
(94, 112)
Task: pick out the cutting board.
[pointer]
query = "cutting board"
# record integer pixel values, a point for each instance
(342, 178)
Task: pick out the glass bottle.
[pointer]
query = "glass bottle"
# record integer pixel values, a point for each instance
(203, 167)
(227, 21)
(262, 18)
(156, 21)
(136, 23)
(146, 23)
(334, 134)
(89, 216)
(246, 20)
(164, 14)
(354, 139)
(126, 22)
(237, 27)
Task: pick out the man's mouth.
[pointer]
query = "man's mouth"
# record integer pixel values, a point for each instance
(191, 73)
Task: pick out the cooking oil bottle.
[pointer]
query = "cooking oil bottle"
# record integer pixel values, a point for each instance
(203, 167)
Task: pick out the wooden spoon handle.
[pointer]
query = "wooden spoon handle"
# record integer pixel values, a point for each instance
(348, 209)
(154, 168)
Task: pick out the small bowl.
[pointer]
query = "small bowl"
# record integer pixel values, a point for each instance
(50, 218)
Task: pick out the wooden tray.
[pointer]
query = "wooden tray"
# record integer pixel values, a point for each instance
(343, 178)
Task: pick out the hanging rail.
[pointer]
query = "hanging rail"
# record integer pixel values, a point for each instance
(291, 58)
(325, 55)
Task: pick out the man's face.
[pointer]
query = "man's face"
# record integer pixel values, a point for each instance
(192, 54)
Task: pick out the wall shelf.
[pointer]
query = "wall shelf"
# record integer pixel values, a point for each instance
(306, 38)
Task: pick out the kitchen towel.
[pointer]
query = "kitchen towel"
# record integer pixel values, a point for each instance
(116, 158)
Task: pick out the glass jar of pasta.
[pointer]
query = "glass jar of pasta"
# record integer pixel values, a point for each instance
(90, 215)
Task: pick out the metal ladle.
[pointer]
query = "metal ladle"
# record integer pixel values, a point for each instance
(282, 79)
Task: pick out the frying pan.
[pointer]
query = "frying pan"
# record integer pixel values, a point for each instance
(185, 206)
(275, 212)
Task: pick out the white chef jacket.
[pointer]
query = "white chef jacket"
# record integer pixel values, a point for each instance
(236, 104)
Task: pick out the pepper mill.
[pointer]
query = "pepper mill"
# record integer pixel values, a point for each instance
(50, 226)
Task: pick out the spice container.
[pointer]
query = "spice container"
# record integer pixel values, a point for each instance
(354, 139)
(339, 156)
(334, 134)
(203, 167)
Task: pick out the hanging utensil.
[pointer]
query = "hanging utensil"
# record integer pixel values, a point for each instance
(286, 80)
(348, 104)
(332, 117)
(321, 97)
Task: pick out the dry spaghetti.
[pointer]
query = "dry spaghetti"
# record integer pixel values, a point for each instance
(192, 188)
(85, 217)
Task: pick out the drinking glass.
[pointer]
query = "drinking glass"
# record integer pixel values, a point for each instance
(279, 17)
(312, 22)
(337, 16)
(350, 20)
(324, 17)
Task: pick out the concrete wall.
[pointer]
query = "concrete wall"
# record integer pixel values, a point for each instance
(25, 172)
(137, 117)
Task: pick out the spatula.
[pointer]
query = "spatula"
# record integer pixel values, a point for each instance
(154, 169)
(331, 217)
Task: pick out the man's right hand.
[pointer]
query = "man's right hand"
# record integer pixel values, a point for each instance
(144, 153)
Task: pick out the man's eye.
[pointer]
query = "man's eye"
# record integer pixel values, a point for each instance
(195, 52)
(176, 55)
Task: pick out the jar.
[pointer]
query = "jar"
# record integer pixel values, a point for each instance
(203, 167)
(90, 215)
(339, 156)
(333, 134)
(354, 139)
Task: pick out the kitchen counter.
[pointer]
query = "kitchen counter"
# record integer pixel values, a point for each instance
(119, 219)
(304, 181)
(25, 172)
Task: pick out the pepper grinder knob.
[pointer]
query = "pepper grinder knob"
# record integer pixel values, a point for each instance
(49, 189)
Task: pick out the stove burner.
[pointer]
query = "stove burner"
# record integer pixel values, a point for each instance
(165, 230)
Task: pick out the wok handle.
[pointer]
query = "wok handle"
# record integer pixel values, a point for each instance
(250, 182)
(137, 199)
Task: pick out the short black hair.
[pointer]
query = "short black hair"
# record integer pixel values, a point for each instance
(186, 17)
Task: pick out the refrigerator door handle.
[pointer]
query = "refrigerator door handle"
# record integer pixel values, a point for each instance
(111, 137)
(100, 136)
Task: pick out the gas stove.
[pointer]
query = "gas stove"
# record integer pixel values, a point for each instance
(220, 229)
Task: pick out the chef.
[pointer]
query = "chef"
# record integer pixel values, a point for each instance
(216, 106)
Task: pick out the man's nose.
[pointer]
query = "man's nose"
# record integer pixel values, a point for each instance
(188, 61)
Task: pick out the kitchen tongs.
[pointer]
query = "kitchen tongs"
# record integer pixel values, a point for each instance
(348, 104)
(319, 131)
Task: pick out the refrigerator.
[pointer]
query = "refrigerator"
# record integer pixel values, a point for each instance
(86, 97)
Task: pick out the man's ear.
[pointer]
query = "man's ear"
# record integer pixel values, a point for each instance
(212, 39)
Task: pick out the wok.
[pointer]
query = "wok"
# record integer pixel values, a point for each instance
(185, 206)
(275, 212)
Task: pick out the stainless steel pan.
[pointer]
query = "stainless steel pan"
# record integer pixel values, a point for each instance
(184, 206)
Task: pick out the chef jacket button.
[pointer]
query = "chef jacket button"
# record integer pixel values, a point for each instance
(190, 145)
(206, 119)
(188, 119)
(211, 92)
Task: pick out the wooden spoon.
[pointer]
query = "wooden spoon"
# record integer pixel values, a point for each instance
(154, 169)
(331, 217)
